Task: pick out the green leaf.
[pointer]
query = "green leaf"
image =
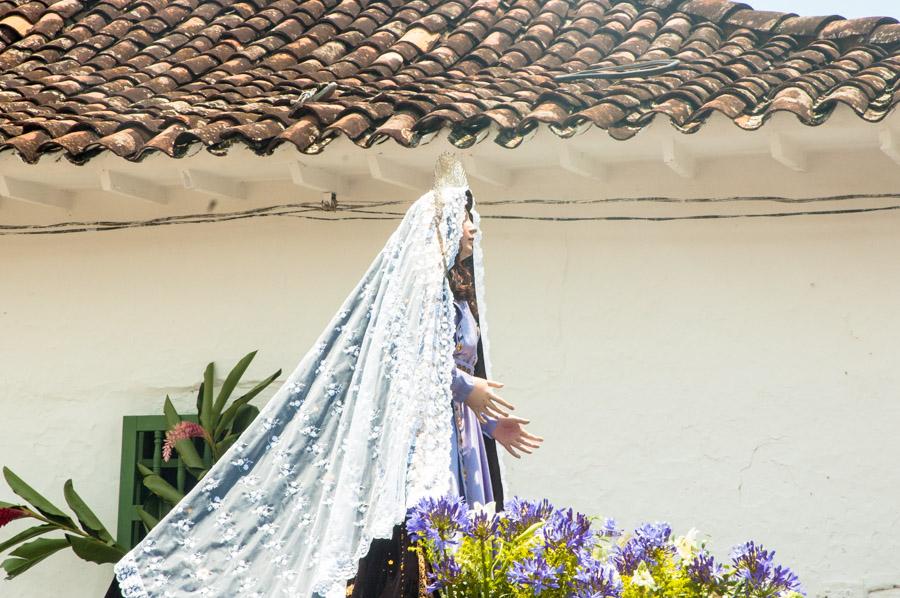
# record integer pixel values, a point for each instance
(90, 523)
(39, 548)
(528, 534)
(166, 491)
(200, 398)
(207, 417)
(144, 470)
(162, 489)
(245, 416)
(232, 410)
(234, 376)
(189, 455)
(148, 520)
(172, 417)
(225, 444)
(15, 566)
(46, 508)
(9, 505)
(95, 551)
(185, 448)
(27, 534)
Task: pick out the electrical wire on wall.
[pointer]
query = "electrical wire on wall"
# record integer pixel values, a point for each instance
(371, 211)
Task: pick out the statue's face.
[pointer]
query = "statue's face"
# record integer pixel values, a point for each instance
(467, 240)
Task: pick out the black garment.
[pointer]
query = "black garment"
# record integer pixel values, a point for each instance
(490, 445)
(113, 591)
(390, 570)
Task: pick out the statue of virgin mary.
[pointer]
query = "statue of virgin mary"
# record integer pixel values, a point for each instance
(385, 409)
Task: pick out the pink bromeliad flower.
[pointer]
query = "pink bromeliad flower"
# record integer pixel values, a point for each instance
(178, 432)
(8, 514)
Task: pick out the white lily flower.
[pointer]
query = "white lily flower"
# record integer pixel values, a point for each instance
(643, 578)
(687, 545)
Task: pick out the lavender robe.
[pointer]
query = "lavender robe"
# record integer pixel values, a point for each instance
(470, 462)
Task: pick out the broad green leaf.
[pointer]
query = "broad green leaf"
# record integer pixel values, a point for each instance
(186, 449)
(39, 548)
(148, 520)
(225, 444)
(95, 551)
(46, 508)
(8, 505)
(15, 566)
(198, 472)
(162, 489)
(166, 491)
(200, 398)
(232, 410)
(144, 470)
(234, 376)
(189, 455)
(207, 417)
(27, 534)
(90, 523)
(245, 416)
(172, 417)
(28, 555)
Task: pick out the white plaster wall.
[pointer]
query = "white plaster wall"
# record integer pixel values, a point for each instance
(737, 376)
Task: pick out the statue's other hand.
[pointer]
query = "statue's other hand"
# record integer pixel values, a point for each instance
(511, 434)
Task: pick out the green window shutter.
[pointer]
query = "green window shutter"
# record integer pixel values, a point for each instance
(142, 442)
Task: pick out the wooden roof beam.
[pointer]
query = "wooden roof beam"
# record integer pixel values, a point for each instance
(389, 172)
(680, 160)
(788, 153)
(889, 144)
(212, 184)
(487, 172)
(580, 164)
(131, 187)
(36, 193)
(316, 179)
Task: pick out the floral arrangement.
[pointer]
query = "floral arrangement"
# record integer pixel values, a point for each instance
(533, 549)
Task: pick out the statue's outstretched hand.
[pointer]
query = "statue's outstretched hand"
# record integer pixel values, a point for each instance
(510, 432)
(485, 403)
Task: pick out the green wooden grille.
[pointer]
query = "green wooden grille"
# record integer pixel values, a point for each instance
(142, 441)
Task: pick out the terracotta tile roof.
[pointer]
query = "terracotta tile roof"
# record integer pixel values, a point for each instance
(133, 77)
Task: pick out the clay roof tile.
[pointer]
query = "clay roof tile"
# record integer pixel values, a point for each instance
(159, 75)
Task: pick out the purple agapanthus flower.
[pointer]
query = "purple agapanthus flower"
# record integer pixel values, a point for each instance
(704, 570)
(568, 529)
(442, 574)
(535, 573)
(755, 570)
(644, 546)
(595, 579)
(523, 513)
(439, 520)
(484, 526)
(609, 529)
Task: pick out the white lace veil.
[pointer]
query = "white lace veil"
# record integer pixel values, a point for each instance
(359, 432)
